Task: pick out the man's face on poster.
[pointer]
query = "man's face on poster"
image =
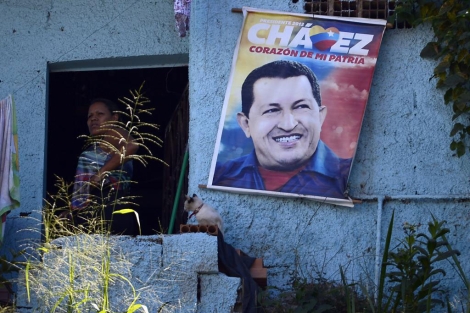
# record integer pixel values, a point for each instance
(284, 122)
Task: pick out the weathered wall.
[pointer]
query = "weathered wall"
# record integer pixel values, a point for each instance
(34, 33)
(403, 152)
(162, 272)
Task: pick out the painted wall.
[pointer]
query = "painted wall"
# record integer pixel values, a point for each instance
(403, 152)
(83, 34)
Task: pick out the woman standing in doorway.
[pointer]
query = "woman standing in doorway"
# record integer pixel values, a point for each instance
(104, 172)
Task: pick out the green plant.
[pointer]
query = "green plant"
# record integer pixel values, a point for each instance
(7, 309)
(450, 21)
(415, 275)
(315, 297)
(458, 267)
(9, 268)
(383, 271)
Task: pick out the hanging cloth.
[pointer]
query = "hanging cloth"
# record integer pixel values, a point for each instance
(9, 162)
(182, 12)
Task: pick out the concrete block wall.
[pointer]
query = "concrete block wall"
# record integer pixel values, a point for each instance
(177, 273)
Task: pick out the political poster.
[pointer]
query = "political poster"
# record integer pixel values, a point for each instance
(294, 105)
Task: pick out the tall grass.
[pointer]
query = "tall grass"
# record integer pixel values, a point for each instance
(77, 266)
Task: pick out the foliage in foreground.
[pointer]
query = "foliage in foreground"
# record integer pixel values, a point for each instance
(409, 280)
(415, 269)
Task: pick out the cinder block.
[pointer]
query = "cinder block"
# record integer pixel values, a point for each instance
(195, 252)
(210, 229)
(218, 293)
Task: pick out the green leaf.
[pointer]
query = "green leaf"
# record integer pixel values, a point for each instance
(445, 255)
(455, 69)
(446, 6)
(437, 271)
(457, 93)
(443, 66)
(124, 211)
(463, 52)
(383, 269)
(448, 96)
(465, 96)
(26, 275)
(461, 105)
(453, 145)
(460, 149)
(421, 250)
(391, 19)
(453, 80)
(431, 50)
(451, 16)
(428, 9)
(456, 115)
(135, 307)
(457, 127)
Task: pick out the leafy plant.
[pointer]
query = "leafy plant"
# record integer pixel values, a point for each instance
(450, 21)
(458, 267)
(415, 275)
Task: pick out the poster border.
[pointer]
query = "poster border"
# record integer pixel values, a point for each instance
(335, 201)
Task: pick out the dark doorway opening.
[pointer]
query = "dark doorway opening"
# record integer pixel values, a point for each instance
(69, 96)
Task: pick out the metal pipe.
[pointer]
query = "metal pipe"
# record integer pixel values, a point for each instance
(412, 197)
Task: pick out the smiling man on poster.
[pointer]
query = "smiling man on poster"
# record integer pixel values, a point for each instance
(282, 113)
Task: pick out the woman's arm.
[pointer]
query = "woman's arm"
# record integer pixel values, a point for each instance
(125, 147)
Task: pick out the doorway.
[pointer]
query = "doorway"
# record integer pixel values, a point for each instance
(69, 96)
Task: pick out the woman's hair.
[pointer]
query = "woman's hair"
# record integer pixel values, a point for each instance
(111, 105)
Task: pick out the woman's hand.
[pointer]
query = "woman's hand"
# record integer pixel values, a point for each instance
(96, 178)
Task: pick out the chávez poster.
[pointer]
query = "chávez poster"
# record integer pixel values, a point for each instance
(294, 105)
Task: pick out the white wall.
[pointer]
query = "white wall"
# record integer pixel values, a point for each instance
(403, 152)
